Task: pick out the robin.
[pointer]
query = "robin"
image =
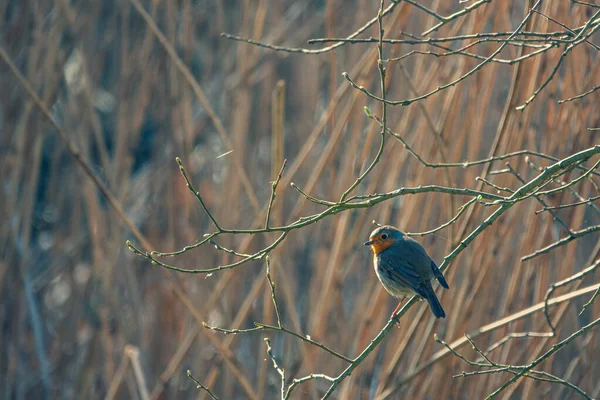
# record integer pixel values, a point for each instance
(404, 268)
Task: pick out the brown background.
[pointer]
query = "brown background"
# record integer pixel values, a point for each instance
(73, 295)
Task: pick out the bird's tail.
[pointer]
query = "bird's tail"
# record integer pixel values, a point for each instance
(434, 303)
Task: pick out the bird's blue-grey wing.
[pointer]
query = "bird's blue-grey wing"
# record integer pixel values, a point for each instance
(397, 268)
(410, 266)
(424, 261)
(438, 275)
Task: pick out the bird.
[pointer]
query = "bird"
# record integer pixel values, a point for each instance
(404, 268)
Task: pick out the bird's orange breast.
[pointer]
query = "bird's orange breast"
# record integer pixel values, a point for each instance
(381, 245)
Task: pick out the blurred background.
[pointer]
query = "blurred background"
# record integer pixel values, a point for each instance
(82, 317)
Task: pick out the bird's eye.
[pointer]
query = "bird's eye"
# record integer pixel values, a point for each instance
(384, 236)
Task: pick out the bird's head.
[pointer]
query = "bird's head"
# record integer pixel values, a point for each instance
(383, 237)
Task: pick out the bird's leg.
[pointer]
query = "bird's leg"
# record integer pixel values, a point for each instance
(397, 308)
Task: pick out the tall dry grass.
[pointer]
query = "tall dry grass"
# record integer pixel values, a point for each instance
(82, 317)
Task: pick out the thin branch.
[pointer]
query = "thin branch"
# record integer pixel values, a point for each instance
(572, 183)
(382, 72)
(545, 179)
(542, 202)
(566, 27)
(457, 250)
(258, 255)
(580, 96)
(307, 378)
(196, 193)
(366, 201)
(565, 52)
(585, 3)
(207, 238)
(306, 339)
(589, 303)
(308, 51)
(498, 188)
(454, 82)
(201, 386)
(522, 36)
(226, 250)
(565, 282)
(493, 368)
(466, 164)
(563, 183)
(273, 297)
(461, 210)
(461, 51)
(450, 18)
(279, 327)
(489, 328)
(574, 235)
(457, 354)
(279, 370)
(230, 331)
(544, 356)
(313, 199)
(517, 335)
(274, 193)
(559, 207)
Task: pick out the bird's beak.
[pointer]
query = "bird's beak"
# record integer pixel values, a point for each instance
(369, 242)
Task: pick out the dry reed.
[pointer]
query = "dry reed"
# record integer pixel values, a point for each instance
(132, 85)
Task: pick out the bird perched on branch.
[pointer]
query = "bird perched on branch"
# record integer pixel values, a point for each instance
(404, 268)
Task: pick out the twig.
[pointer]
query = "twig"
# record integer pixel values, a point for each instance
(258, 255)
(274, 193)
(574, 235)
(272, 287)
(226, 250)
(517, 335)
(542, 202)
(580, 96)
(584, 3)
(307, 378)
(586, 305)
(306, 339)
(466, 164)
(493, 368)
(445, 20)
(313, 199)
(461, 210)
(491, 327)
(279, 327)
(522, 36)
(196, 193)
(566, 27)
(498, 188)
(279, 370)
(461, 51)
(559, 207)
(230, 331)
(382, 73)
(454, 82)
(308, 51)
(566, 51)
(544, 356)
(573, 182)
(564, 282)
(201, 386)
